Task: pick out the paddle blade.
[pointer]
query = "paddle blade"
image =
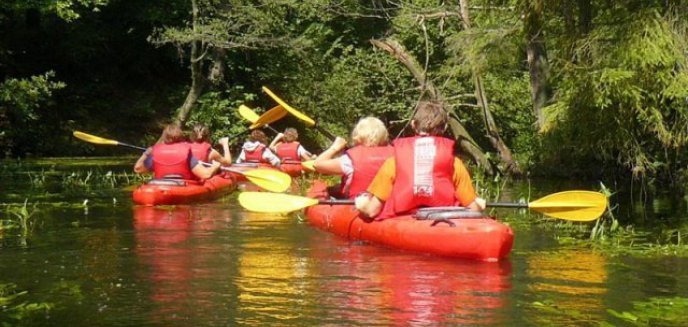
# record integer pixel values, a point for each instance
(269, 179)
(93, 139)
(272, 115)
(310, 165)
(290, 109)
(274, 202)
(572, 205)
(248, 114)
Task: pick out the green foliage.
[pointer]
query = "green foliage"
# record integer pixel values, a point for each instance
(623, 101)
(218, 111)
(12, 312)
(20, 103)
(657, 311)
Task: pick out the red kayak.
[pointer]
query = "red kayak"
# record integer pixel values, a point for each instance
(292, 168)
(476, 238)
(172, 191)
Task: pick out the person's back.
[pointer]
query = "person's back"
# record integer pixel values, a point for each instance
(254, 150)
(423, 171)
(172, 158)
(287, 147)
(202, 149)
(359, 164)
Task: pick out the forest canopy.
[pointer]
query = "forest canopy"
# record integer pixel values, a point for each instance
(571, 88)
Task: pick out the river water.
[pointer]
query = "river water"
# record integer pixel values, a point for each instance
(107, 262)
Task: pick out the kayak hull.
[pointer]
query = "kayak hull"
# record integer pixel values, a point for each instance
(483, 238)
(189, 192)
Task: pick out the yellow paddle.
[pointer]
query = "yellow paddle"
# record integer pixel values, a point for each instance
(309, 165)
(569, 205)
(272, 115)
(307, 120)
(268, 179)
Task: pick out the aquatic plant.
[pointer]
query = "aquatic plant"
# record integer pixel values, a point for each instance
(656, 311)
(22, 217)
(10, 310)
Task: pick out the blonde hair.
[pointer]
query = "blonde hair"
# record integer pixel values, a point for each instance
(290, 134)
(370, 131)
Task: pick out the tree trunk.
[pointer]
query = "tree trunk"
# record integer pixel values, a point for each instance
(510, 165)
(464, 139)
(197, 77)
(537, 58)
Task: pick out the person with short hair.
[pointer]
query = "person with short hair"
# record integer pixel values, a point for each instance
(172, 158)
(288, 148)
(422, 173)
(254, 150)
(203, 150)
(359, 164)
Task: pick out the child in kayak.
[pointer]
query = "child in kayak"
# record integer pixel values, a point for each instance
(288, 148)
(359, 164)
(254, 150)
(422, 173)
(203, 150)
(172, 158)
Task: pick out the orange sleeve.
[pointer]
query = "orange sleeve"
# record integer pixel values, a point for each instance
(463, 185)
(381, 186)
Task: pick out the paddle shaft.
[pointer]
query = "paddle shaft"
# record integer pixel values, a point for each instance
(131, 146)
(507, 205)
(325, 132)
(493, 204)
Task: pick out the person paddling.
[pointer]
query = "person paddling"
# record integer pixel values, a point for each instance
(359, 164)
(288, 148)
(422, 173)
(172, 158)
(203, 150)
(254, 150)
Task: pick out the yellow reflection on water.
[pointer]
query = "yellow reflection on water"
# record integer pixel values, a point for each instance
(573, 279)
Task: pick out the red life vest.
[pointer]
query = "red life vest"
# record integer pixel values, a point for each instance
(366, 161)
(424, 175)
(288, 151)
(172, 159)
(256, 155)
(201, 151)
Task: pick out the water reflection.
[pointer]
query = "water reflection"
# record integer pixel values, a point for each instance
(364, 283)
(573, 280)
(160, 238)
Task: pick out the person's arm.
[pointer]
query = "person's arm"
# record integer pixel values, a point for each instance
(304, 154)
(140, 166)
(380, 189)
(242, 156)
(275, 141)
(271, 157)
(463, 186)
(203, 172)
(325, 163)
(225, 159)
